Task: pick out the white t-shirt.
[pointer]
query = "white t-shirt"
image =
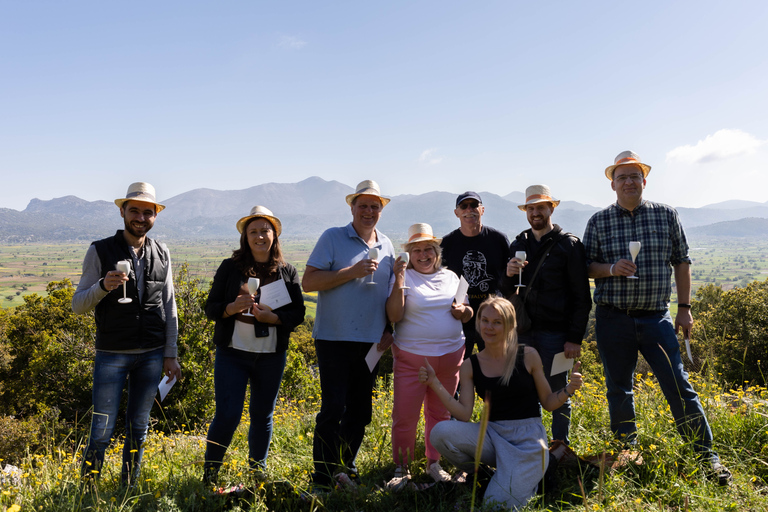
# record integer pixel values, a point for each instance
(244, 338)
(427, 327)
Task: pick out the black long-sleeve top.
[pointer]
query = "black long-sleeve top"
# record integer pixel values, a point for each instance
(226, 287)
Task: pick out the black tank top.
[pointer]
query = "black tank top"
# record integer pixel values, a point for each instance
(515, 401)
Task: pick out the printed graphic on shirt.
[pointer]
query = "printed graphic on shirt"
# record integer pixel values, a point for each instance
(474, 269)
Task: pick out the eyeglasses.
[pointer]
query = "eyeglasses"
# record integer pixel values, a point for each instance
(634, 177)
(471, 204)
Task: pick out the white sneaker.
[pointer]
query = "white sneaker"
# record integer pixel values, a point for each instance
(400, 480)
(437, 473)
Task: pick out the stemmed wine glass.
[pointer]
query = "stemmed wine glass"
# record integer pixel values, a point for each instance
(253, 287)
(124, 266)
(634, 249)
(373, 254)
(406, 258)
(520, 255)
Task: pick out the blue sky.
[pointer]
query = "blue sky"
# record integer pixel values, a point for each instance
(420, 96)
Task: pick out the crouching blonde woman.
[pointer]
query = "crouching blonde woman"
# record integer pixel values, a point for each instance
(512, 377)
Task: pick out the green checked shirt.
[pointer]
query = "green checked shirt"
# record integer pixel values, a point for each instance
(663, 245)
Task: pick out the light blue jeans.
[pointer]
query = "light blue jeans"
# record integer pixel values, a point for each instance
(110, 371)
(548, 344)
(619, 338)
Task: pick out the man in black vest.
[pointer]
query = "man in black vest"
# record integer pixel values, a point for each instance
(136, 328)
(557, 299)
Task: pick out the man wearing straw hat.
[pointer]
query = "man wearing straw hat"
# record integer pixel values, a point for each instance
(477, 252)
(350, 268)
(136, 328)
(632, 297)
(555, 293)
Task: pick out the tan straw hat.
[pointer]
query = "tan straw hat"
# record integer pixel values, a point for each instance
(625, 158)
(421, 232)
(538, 194)
(263, 212)
(140, 191)
(368, 188)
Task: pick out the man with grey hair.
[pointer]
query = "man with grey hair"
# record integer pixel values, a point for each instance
(127, 281)
(555, 294)
(477, 252)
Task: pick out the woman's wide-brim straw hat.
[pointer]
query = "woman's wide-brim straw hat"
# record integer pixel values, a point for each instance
(368, 188)
(140, 191)
(263, 212)
(421, 232)
(538, 194)
(627, 158)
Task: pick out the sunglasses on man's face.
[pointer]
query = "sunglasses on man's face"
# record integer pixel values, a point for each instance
(471, 204)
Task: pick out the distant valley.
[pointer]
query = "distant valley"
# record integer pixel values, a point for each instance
(308, 207)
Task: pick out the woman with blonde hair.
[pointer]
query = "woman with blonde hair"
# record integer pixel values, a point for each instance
(427, 326)
(511, 377)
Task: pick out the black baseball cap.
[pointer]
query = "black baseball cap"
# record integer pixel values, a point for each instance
(468, 195)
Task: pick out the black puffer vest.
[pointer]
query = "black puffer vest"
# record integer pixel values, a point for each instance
(139, 324)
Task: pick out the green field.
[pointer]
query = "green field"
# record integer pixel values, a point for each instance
(28, 268)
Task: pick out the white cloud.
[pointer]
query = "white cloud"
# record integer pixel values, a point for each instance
(721, 145)
(428, 157)
(292, 42)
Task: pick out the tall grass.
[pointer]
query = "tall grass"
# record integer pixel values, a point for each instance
(669, 478)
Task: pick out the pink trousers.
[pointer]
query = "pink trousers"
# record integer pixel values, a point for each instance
(410, 394)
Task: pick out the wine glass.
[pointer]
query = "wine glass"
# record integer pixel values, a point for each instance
(124, 266)
(634, 249)
(253, 287)
(520, 255)
(406, 258)
(373, 253)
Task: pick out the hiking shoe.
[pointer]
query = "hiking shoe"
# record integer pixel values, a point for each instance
(717, 471)
(437, 473)
(400, 480)
(346, 483)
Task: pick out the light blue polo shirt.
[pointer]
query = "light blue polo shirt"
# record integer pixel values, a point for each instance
(355, 310)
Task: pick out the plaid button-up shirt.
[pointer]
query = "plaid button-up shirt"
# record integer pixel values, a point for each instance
(663, 245)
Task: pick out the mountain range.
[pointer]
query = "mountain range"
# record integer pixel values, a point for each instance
(310, 206)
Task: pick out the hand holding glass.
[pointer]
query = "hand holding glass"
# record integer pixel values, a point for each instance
(404, 256)
(373, 254)
(124, 266)
(520, 255)
(634, 249)
(253, 287)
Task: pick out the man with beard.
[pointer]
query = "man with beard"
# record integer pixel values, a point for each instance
(480, 254)
(632, 312)
(557, 300)
(135, 336)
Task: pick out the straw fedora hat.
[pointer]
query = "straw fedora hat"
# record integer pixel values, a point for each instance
(263, 212)
(140, 191)
(538, 194)
(421, 232)
(369, 188)
(624, 158)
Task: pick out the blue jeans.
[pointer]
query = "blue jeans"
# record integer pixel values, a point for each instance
(548, 344)
(619, 338)
(347, 390)
(232, 371)
(110, 372)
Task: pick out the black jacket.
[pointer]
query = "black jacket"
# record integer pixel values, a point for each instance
(226, 287)
(559, 299)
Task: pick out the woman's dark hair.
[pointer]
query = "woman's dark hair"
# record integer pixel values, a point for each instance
(243, 257)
